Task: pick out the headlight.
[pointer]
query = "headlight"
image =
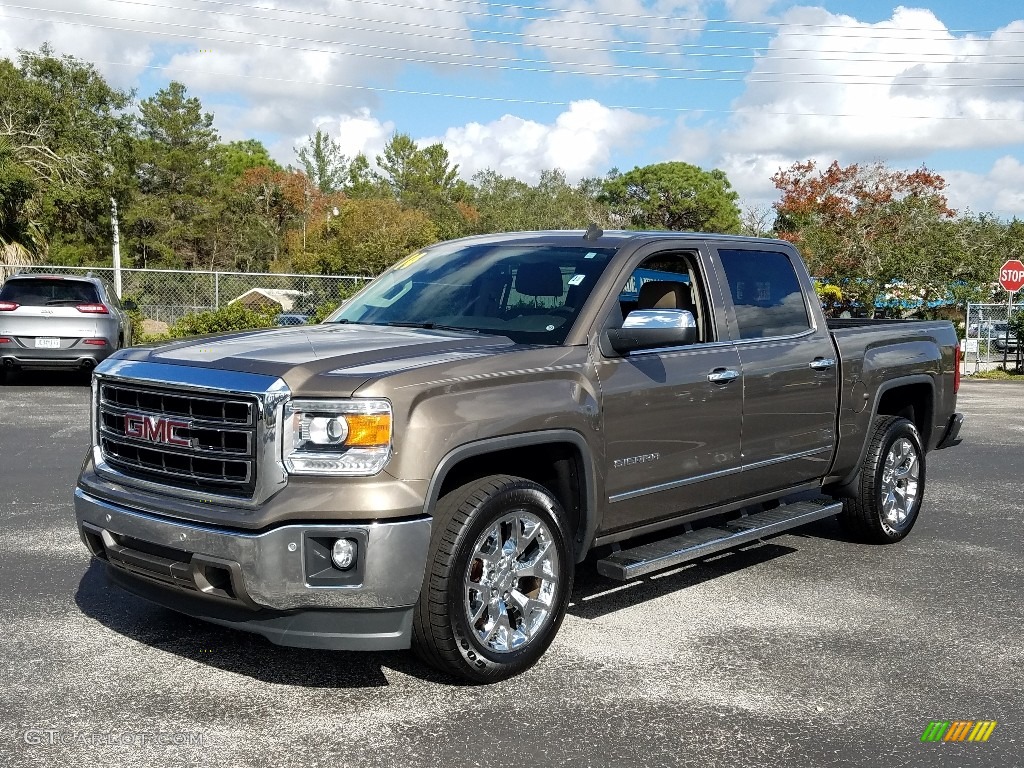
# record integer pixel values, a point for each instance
(336, 437)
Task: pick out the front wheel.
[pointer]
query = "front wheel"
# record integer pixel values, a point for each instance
(891, 485)
(498, 579)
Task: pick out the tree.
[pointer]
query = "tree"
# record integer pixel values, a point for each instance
(867, 227)
(506, 204)
(177, 171)
(236, 157)
(676, 196)
(367, 237)
(66, 147)
(323, 161)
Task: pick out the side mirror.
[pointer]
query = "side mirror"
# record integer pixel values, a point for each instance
(651, 329)
(129, 305)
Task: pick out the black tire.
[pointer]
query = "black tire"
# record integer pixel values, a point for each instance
(7, 376)
(883, 511)
(455, 581)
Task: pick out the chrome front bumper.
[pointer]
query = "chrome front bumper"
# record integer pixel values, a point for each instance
(246, 580)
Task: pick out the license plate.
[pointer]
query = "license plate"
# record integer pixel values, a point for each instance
(46, 343)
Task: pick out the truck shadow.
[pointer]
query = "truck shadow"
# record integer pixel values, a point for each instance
(235, 651)
(255, 657)
(72, 379)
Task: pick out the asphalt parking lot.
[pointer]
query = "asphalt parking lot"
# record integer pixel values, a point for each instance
(808, 650)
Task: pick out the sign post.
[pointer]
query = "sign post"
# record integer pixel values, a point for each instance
(1011, 278)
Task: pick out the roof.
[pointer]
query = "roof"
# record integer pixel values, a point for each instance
(284, 297)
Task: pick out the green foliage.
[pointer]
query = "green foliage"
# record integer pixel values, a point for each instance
(65, 148)
(675, 196)
(1016, 324)
(506, 204)
(236, 157)
(325, 165)
(177, 152)
(233, 317)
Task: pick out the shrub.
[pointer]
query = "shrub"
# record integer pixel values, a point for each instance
(233, 317)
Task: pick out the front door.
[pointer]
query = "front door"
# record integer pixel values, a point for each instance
(672, 416)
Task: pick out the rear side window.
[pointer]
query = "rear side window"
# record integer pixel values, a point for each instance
(43, 292)
(765, 293)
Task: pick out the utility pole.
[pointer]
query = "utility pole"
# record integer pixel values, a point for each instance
(117, 247)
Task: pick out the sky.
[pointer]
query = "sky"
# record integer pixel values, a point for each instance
(524, 86)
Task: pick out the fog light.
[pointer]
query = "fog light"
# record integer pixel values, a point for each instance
(343, 554)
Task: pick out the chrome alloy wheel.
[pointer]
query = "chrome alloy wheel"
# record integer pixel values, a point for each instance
(510, 582)
(900, 482)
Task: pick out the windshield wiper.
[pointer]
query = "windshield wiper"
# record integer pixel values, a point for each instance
(53, 302)
(428, 326)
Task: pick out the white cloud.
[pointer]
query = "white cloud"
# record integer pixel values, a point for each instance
(275, 62)
(579, 142)
(1000, 190)
(589, 35)
(830, 83)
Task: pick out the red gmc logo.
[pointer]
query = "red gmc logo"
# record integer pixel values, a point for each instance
(156, 429)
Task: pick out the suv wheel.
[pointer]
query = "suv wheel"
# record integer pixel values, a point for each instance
(891, 483)
(498, 578)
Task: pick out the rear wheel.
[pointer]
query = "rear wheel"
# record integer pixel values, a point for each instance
(498, 579)
(891, 485)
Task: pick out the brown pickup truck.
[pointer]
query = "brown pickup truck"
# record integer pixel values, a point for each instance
(429, 466)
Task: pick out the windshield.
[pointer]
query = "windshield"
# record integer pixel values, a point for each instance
(529, 293)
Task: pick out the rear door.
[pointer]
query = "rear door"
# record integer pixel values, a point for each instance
(672, 434)
(789, 366)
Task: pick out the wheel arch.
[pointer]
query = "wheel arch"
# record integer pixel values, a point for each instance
(913, 398)
(560, 460)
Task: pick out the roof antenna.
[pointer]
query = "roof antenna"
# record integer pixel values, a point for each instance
(593, 232)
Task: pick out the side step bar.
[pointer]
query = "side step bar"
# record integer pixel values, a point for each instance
(693, 545)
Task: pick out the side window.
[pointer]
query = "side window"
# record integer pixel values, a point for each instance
(667, 281)
(765, 293)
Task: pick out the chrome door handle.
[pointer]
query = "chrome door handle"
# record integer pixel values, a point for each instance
(823, 363)
(722, 376)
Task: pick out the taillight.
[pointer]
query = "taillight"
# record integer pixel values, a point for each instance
(956, 369)
(92, 309)
(96, 342)
(4, 340)
(8, 306)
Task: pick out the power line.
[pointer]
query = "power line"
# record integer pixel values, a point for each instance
(620, 70)
(538, 102)
(644, 50)
(897, 33)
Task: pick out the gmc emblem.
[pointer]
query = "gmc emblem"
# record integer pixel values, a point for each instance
(156, 429)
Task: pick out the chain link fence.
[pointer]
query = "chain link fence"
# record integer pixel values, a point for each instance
(989, 339)
(164, 296)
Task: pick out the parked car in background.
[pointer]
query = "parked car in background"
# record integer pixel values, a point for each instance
(1003, 338)
(291, 318)
(55, 321)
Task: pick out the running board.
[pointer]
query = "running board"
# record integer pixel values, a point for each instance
(693, 545)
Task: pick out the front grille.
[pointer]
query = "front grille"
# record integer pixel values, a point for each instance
(203, 442)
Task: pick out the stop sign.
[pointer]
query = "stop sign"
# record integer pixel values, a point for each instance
(1011, 275)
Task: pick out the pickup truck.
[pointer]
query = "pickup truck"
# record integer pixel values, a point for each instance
(429, 466)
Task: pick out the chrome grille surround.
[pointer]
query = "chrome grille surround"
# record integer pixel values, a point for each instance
(230, 420)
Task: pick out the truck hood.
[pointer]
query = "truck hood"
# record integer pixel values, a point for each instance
(349, 354)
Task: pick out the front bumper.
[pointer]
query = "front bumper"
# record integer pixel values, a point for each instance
(275, 583)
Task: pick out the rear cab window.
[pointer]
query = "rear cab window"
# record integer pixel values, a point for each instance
(767, 298)
(48, 292)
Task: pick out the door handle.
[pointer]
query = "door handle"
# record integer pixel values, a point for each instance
(823, 363)
(722, 376)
